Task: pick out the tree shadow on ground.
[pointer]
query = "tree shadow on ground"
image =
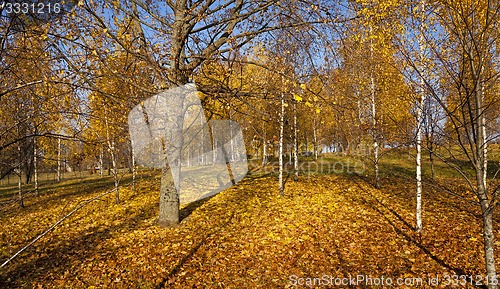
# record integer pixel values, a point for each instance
(373, 203)
(191, 207)
(73, 188)
(241, 198)
(59, 259)
(171, 275)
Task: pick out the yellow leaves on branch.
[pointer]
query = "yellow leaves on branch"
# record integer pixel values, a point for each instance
(297, 97)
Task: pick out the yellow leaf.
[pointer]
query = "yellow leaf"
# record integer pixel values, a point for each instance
(309, 104)
(297, 97)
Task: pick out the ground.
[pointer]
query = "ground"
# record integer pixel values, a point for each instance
(327, 226)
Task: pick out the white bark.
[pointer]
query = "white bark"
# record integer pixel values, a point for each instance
(134, 170)
(282, 126)
(295, 144)
(19, 177)
(111, 146)
(58, 159)
(374, 118)
(481, 179)
(35, 164)
(264, 151)
(101, 161)
(418, 212)
(315, 139)
(420, 123)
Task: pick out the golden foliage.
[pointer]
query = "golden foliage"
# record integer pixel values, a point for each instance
(244, 237)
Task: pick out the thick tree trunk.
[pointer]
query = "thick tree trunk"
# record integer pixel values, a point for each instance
(169, 200)
(169, 196)
(488, 242)
(481, 179)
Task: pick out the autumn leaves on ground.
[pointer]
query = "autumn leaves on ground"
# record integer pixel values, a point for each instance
(334, 225)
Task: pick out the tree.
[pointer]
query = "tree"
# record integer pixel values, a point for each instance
(462, 55)
(198, 31)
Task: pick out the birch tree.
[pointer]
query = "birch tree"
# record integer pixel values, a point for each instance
(463, 55)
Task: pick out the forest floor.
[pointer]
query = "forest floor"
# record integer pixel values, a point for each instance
(336, 228)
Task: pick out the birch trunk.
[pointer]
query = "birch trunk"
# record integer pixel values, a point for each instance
(486, 207)
(315, 140)
(19, 176)
(134, 170)
(111, 146)
(101, 161)
(58, 159)
(420, 122)
(282, 126)
(35, 165)
(264, 151)
(295, 144)
(374, 119)
(481, 179)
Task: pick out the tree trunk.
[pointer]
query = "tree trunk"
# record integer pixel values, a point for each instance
(481, 179)
(295, 144)
(418, 212)
(420, 123)
(169, 200)
(19, 174)
(488, 241)
(35, 165)
(315, 140)
(264, 151)
(430, 147)
(169, 196)
(20, 188)
(115, 173)
(101, 161)
(58, 159)
(282, 126)
(374, 120)
(134, 170)
(111, 146)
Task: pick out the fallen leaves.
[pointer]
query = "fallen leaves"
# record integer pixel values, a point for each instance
(245, 237)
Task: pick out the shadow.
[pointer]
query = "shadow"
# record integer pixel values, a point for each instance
(393, 212)
(49, 193)
(61, 258)
(191, 207)
(171, 275)
(59, 255)
(415, 240)
(341, 261)
(419, 244)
